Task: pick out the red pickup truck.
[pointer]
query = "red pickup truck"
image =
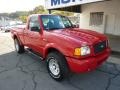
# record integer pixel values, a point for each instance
(64, 47)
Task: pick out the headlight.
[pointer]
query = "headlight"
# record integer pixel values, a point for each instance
(85, 50)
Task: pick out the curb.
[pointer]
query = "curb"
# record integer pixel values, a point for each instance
(115, 54)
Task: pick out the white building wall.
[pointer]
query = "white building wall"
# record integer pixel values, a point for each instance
(4, 21)
(111, 22)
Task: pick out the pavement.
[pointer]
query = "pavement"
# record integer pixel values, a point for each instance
(28, 72)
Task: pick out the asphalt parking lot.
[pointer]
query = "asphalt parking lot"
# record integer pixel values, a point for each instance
(28, 72)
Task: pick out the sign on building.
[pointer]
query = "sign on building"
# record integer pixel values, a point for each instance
(52, 4)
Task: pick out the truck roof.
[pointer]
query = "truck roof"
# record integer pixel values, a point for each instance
(42, 14)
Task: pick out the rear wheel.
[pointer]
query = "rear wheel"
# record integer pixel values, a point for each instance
(57, 66)
(19, 48)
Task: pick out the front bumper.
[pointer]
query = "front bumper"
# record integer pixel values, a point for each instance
(87, 64)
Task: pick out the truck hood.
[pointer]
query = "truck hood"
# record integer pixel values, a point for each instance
(81, 35)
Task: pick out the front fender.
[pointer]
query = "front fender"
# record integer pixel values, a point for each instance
(59, 48)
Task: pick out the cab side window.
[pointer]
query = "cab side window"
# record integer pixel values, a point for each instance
(34, 24)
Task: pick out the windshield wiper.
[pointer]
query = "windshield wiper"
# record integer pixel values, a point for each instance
(69, 26)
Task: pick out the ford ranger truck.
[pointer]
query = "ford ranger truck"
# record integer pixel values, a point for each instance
(64, 47)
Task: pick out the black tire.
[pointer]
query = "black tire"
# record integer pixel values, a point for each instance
(62, 63)
(19, 48)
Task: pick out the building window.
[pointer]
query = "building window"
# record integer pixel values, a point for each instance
(96, 18)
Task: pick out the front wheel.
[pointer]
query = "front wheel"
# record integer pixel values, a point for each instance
(19, 48)
(57, 66)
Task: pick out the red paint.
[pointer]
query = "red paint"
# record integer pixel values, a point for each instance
(65, 41)
(87, 64)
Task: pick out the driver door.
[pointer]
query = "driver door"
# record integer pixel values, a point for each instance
(35, 37)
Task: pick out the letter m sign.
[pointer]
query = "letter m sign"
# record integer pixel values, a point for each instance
(55, 2)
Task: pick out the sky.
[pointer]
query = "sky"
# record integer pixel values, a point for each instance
(8, 6)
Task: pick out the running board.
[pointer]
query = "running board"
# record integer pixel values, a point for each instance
(33, 53)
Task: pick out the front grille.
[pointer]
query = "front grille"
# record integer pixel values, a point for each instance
(99, 47)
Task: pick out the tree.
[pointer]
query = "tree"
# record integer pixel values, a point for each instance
(39, 10)
(23, 18)
(4, 14)
(22, 15)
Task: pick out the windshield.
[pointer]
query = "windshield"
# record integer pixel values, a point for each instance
(51, 22)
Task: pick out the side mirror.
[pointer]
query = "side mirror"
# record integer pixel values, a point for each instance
(35, 29)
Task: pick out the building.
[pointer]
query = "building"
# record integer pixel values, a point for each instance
(99, 15)
(4, 21)
(103, 17)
